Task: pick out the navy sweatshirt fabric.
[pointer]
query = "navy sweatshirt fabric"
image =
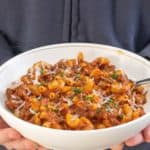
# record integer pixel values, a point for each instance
(26, 24)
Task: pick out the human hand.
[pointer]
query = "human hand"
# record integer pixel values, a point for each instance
(11, 139)
(144, 136)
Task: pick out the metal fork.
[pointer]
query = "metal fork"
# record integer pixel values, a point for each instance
(143, 82)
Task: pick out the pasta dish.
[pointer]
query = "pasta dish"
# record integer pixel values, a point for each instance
(74, 94)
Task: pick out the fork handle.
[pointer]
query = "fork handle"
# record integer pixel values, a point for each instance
(144, 81)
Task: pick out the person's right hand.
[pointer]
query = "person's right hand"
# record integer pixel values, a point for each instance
(11, 139)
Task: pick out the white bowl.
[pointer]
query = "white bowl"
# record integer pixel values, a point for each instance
(135, 66)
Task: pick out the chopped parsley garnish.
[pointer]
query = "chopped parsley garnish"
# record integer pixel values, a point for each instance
(110, 100)
(89, 97)
(62, 74)
(56, 110)
(114, 75)
(42, 71)
(120, 117)
(77, 90)
(107, 107)
(78, 76)
(40, 84)
(111, 103)
(116, 105)
(98, 110)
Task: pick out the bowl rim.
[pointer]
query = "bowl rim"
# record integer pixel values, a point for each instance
(109, 47)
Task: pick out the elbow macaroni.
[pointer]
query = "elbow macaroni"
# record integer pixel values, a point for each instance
(77, 95)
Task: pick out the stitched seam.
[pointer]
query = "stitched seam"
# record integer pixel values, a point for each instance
(66, 30)
(75, 20)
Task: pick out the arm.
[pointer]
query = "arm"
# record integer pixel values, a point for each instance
(6, 51)
(146, 52)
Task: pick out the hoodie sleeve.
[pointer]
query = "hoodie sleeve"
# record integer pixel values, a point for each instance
(146, 52)
(6, 51)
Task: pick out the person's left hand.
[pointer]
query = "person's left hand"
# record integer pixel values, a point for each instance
(144, 136)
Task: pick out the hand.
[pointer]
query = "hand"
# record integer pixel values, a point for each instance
(11, 139)
(144, 136)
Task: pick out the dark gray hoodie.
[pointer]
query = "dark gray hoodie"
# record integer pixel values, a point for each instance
(26, 24)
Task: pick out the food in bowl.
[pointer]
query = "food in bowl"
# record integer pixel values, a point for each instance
(75, 94)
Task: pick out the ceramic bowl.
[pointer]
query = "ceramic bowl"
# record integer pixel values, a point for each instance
(135, 66)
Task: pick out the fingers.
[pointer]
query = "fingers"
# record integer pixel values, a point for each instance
(8, 134)
(118, 147)
(138, 139)
(22, 144)
(42, 148)
(11, 139)
(146, 134)
(3, 124)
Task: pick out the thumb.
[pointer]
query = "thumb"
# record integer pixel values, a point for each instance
(117, 147)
